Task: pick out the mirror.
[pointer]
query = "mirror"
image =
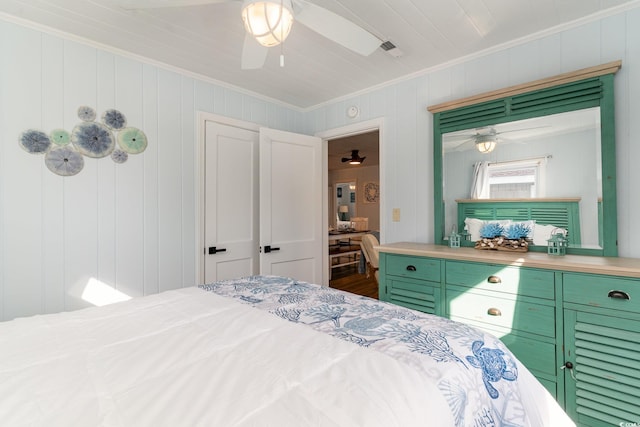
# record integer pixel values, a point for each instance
(565, 133)
(345, 203)
(550, 157)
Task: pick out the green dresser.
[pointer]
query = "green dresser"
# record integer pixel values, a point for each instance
(517, 304)
(574, 321)
(412, 282)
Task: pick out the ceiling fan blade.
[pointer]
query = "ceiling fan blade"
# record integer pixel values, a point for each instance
(336, 28)
(154, 4)
(523, 129)
(467, 145)
(253, 53)
(459, 137)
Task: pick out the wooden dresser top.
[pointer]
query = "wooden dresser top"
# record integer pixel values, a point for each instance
(629, 267)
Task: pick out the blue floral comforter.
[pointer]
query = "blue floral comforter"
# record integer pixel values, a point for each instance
(478, 377)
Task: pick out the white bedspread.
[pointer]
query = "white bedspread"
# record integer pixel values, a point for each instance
(194, 358)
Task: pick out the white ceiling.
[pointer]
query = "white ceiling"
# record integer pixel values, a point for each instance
(207, 39)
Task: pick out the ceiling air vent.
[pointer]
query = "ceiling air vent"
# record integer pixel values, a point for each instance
(391, 49)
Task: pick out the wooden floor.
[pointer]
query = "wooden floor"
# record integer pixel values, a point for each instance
(347, 279)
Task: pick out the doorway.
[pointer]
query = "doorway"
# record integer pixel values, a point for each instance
(353, 207)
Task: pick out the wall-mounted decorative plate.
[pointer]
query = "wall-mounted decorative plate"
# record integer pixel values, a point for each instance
(86, 113)
(93, 139)
(60, 137)
(119, 156)
(64, 161)
(35, 141)
(132, 140)
(371, 192)
(114, 119)
(64, 151)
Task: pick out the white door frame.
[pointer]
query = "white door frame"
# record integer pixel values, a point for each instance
(202, 118)
(341, 132)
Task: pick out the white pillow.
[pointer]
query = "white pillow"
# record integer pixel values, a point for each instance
(542, 233)
(473, 226)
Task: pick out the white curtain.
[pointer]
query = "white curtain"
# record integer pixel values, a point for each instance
(480, 181)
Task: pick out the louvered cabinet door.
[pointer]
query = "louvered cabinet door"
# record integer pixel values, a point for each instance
(602, 368)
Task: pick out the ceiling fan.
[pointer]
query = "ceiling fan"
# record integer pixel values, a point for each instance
(355, 159)
(485, 140)
(268, 23)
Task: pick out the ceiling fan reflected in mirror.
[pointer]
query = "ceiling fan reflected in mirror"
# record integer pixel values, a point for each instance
(355, 159)
(269, 22)
(486, 143)
(485, 140)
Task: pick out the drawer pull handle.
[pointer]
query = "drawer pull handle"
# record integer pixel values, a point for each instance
(618, 295)
(494, 279)
(411, 268)
(494, 312)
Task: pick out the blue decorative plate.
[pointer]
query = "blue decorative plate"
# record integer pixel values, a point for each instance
(119, 156)
(86, 114)
(35, 141)
(114, 119)
(93, 139)
(64, 161)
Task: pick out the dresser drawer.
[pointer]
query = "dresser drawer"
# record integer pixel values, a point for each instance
(414, 267)
(414, 294)
(501, 278)
(602, 291)
(507, 313)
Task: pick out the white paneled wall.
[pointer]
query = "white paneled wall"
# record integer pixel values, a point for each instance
(128, 226)
(408, 178)
(132, 226)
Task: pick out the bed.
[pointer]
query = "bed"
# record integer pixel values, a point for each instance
(545, 215)
(261, 351)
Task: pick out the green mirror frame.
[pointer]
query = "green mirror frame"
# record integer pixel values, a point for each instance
(587, 88)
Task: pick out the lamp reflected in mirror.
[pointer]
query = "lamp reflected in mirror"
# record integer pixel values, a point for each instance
(344, 210)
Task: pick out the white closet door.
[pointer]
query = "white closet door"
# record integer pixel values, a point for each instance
(231, 202)
(291, 205)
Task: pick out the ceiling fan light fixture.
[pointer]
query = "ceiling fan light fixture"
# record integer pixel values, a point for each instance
(355, 159)
(269, 22)
(485, 143)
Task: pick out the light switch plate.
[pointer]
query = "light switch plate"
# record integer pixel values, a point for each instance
(395, 215)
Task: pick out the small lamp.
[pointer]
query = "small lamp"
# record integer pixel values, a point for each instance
(344, 210)
(557, 244)
(454, 239)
